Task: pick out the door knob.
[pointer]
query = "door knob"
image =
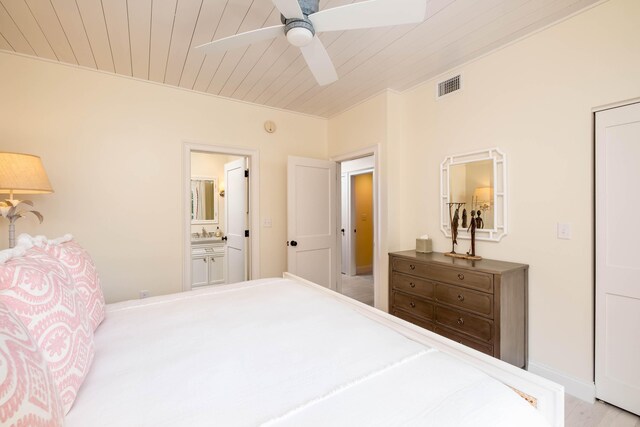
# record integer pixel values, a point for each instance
(294, 243)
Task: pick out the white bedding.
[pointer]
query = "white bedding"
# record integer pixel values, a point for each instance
(276, 352)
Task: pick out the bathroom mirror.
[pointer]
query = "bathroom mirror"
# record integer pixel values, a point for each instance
(204, 200)
(475, 182)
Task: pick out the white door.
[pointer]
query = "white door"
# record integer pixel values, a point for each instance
(344, 227)
(312, 220)
(236, 218)
(617, 257)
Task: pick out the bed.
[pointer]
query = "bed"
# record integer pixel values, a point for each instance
(287, 352)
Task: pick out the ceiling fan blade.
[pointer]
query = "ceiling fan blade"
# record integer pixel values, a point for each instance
(369, 14)
(319, 62)
(242, 39)
(289, 8)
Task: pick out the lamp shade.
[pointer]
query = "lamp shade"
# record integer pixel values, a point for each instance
(23, 174)
(483, 194)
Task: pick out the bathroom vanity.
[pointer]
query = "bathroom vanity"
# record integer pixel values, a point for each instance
(207, 262)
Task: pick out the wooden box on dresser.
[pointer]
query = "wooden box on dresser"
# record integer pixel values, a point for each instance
(481, 304)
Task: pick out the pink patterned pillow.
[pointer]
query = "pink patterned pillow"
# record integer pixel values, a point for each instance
(28, 396)
(41, 292)
(83, 271)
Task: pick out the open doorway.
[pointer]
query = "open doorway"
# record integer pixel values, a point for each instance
(357, 229)
(219, 245)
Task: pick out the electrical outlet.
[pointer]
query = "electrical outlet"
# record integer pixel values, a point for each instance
(564, 231)
(144, 294)
(268, 223)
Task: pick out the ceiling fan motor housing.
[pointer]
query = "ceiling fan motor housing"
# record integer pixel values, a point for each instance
(308, 7)
(300, 32)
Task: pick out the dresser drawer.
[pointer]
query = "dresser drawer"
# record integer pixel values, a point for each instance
(413, 285)
(471, 279)
(465, 323)
(484, 348)
(412, 305)
(466, 299)
(415, 320)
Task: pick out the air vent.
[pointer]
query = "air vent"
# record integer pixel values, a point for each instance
(448, 86)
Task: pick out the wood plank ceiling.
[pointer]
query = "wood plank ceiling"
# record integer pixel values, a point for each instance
(154, 40)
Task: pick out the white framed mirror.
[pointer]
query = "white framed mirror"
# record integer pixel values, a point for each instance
(475, 181)
(204, 200)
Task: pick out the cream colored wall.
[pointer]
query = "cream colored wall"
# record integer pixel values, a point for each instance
(112, 147)
(533, 99)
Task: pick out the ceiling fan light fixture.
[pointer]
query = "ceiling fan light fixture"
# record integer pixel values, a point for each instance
(299, 36)
(302, 19)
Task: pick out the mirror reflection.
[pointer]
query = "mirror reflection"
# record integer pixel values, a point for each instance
(472, 183)
(203, 200)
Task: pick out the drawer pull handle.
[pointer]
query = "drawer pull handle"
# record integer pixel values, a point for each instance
(460, 276)
(412, 304)
(411, 266)
(413, 285)
(460, 321)
(460, 298)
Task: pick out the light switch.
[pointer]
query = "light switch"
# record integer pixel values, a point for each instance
(267, 223)
(564, 231)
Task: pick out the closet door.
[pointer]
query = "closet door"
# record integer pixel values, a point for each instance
(618, 257)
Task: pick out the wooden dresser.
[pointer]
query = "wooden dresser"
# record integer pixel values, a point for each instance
(481, 304)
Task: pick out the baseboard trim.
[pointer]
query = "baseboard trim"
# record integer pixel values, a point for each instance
(582, 390)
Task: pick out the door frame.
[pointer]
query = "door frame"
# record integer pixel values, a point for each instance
(253, 157)
(379, 255)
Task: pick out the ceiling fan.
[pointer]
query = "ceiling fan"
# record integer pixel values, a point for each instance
(301, 21)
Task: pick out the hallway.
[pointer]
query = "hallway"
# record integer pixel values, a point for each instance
(359, 288)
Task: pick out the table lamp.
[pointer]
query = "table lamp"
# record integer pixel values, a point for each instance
(483, 197)
(21, 174)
